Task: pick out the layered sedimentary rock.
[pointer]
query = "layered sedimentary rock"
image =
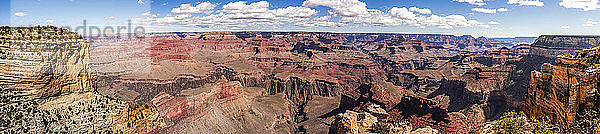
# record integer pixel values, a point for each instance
(46, 84)
(554, 45)
(560, 90)
(309, 71)
(222, 107)
(43, 61)
(294, 64)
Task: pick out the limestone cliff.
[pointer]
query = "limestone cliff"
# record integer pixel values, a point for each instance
(559, 91)
(43, 61)
(556, 45)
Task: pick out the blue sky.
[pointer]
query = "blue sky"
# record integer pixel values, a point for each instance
(492, 18)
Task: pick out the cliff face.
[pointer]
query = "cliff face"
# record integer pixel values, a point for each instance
(221, 107)
(46, 83)
(555, 45)
(44, 61)
(559, 91)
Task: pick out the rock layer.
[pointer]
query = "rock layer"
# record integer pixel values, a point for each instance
(44, 61)
(553, 46)
(558, 91)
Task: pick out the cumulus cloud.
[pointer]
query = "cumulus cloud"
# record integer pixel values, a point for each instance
(109, 18)
(526, 2)
(484, 10)
(402, 16)
(490, 11)
(402, 13)
(451, 21)
(20, 14)
(586, 5)
(565, 27)
(418, 10)
(344, 8)
(590, 23)
(295, 12)
(493, 23)
(140, 2)
(473, 2)
(241, 14)
(204, 7)
(49, 21)
(502, 10)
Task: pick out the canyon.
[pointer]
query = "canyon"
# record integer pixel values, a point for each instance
(311, 71)
(287, 82)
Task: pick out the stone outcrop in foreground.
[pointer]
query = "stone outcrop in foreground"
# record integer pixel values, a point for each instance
(561, 90)
(46, 84)
(43, 61)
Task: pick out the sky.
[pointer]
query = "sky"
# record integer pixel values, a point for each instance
(490, 18)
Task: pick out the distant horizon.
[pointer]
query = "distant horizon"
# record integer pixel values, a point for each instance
(532, 36)
(499, 18)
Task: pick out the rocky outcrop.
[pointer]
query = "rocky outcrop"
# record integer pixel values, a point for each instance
(46, 84)
(223, 107)
(400, 106)
(43, 61)
(558, 91)
(554, 45)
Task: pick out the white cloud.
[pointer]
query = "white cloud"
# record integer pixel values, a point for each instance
(590, 23)
(473, 2)
(402, 13)
(204, 7)
(241, 14)
(20, 14)
(242, 7)
(140, 2)
(490, 11)
(526, 2)
(565, 27)
(49, 21)
(451, 21)
(256, 15)
(493, 23)
(502, 10)
(484, 10)
(421, 11)
(109, 18)
(344, 8)
(295, 12)
(401, 16)
(586, 5)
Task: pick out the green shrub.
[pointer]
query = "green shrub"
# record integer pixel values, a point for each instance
(508, 124)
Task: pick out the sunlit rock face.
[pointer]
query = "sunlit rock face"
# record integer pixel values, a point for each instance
(554, 45)
(46, 84)
(558, 91)
(43, 61)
